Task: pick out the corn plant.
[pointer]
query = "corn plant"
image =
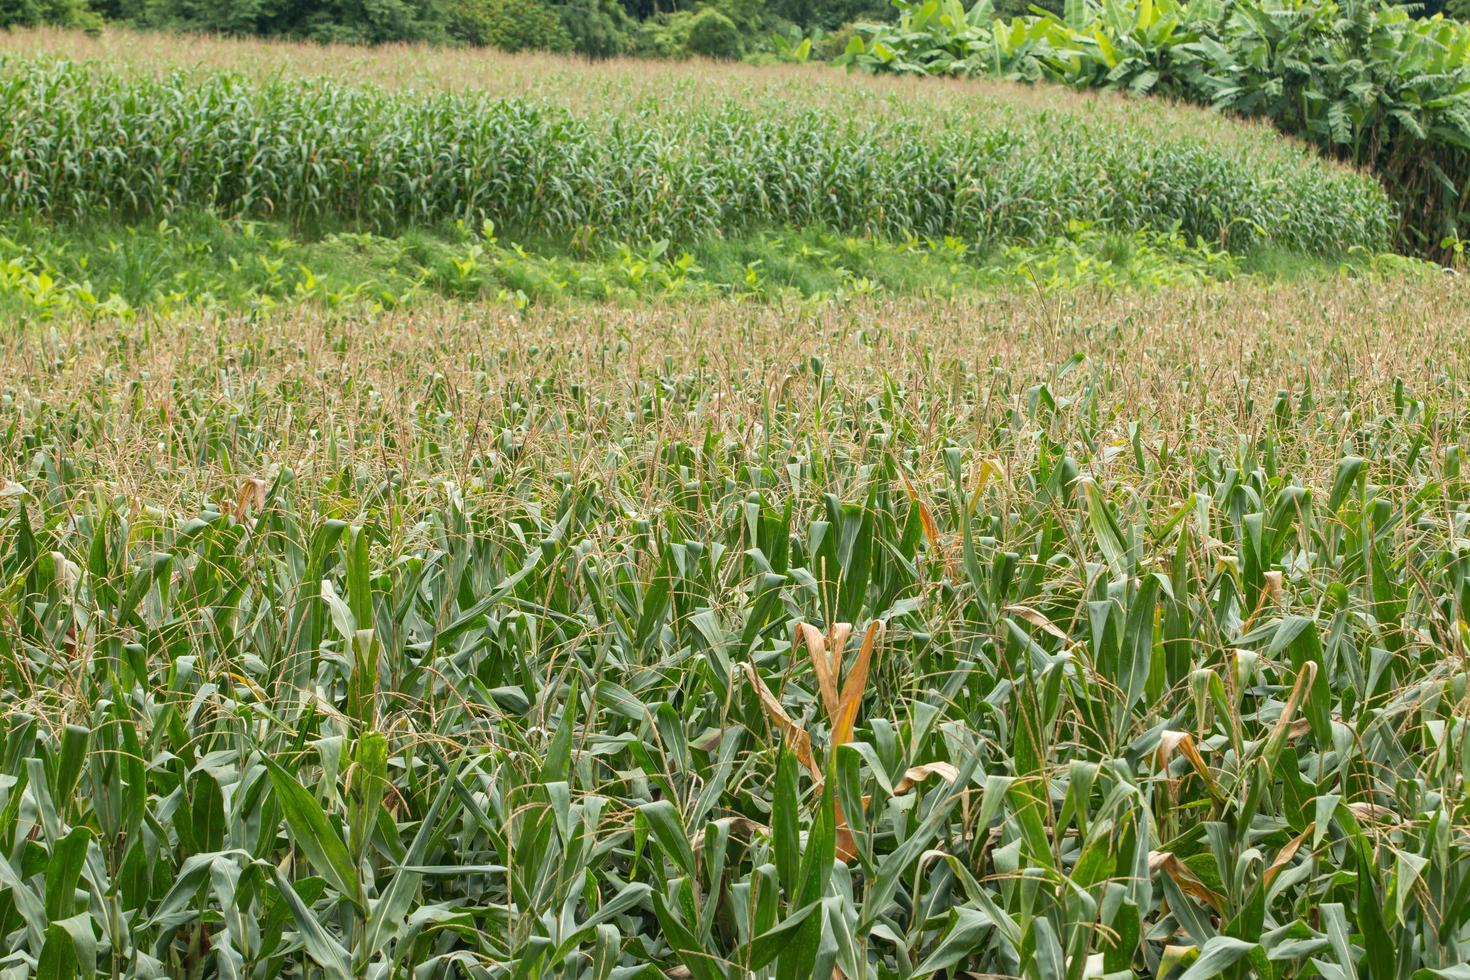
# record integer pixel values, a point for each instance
(1081, 636)
(84, 140)
(1363, 80)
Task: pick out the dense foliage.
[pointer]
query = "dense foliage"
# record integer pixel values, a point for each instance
(462, 644)
(595, 28)
(351, 21)
(714, 35)
(38, 13)
(84, 141)
(1362, 80)
(511, 25)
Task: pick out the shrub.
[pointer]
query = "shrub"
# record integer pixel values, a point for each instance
(511, 25)
(665, 36)
(714, 35)
(830, 45)
(596, 28)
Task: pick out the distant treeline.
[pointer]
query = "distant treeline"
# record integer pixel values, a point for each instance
(752, 29)
(594, 28)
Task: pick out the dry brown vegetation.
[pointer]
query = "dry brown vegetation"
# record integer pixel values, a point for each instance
(1195, 366)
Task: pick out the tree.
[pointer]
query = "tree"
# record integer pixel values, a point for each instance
(714, 35)
(511, 25)
(355, 21)
(36, 13)
(597, 28)
(827, 14)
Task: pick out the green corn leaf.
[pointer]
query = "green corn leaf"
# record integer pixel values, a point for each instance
(320, 946)
(311, 831)
(668, 831)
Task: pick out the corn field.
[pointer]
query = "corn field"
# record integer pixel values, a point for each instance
(1362, 80)
(81, 140)
(1066, 636)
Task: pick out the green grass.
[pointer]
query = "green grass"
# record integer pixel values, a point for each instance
(197, 262)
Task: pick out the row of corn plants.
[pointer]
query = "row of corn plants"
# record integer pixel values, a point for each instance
(1362, 80)
(81, 140)
(812, 647)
